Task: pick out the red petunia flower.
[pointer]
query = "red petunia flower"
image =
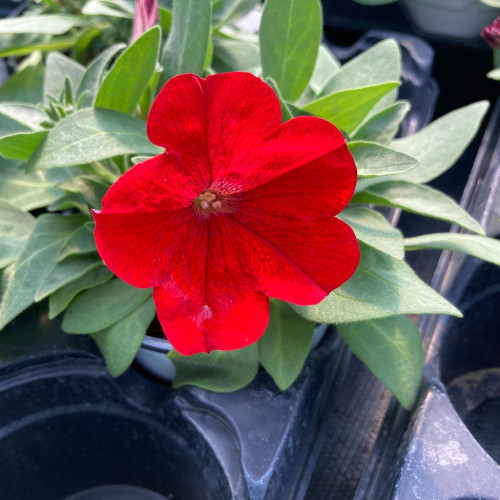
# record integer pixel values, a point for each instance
(237, 209)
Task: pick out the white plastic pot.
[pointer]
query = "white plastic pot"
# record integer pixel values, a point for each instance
(455, 18)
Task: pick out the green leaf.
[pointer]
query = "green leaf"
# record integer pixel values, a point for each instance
(25, 85)
(29, 191)
(188, 41)
(70, 269)
(16, 226)
(373, 159)
(484, 248)
(103, 306)
(439, 145)
(56, 44)
(392, 349)
(219, 371)
(81, 242)
(21, 146)
(35, 263)
(378, 65)
(119, 343)
(28, 115)
(60, 67)
(70, 201)
(285, 344)
(128, 79)
(115, 8)
(348, 108)
(229, 11)
(164, 19)
(285, 111)
(91, 135)
(92, 188)
(94, 74)
(235, 55)
(419, 199)
(50, 24)
(372, 228)
(382, 126)
(326, 66)
(290, 33)
(62, 297)
(381, 287)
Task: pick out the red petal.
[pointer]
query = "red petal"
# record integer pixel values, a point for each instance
(138, 247)
(296, 260)
(223, 322)
(176, 122)
(320, 187)
(154, 185)
(299, 141)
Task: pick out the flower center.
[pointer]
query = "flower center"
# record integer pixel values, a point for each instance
(208, 202)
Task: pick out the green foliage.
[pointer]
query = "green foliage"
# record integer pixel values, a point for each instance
(127, 81)
(373, 229)
(381, 286)
(120, 342)
(347, 109)
(392, 349)
(285, 344)
(290, 34)
(24, 86)
(220, 371)
(22, 145)
(188, 41)
(16, 226)
(487, 249)
(102, 306)
(418, 199)
(373, 159)
(91, 135)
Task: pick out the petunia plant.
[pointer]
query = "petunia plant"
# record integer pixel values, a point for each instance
(226, 182)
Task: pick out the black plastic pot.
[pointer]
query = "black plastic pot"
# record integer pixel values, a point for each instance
(451, 447)
(68, 431)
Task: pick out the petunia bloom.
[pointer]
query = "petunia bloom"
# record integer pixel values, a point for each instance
(239, 208)
(492, 34)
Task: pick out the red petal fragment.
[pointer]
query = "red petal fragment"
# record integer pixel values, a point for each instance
(151, 186)
(177, 123)
(320, 187)
(138, 247)
(224, 322)
(296, 260)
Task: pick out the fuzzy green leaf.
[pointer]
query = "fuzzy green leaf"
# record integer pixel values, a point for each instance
(102, 306)
(419, 199)
(285, 344)
(484, 248)
(188, 41)
(326, 66)
(36, 262)
(373, 159)
(22, 145)
(16, 225)
(50, 24)
(372, 228)
(128, 79)
(219, 371)
(94, 74)
(381, 287)
(392, 349)
(62, 297)
(439, 145)
(382, 126)
(119, 343)
(24, 86)
(59, 67)
(91, 135)
(346, 109)
(290, 33)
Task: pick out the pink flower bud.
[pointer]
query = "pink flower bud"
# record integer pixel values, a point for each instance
(146, 15)
(491, 34)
